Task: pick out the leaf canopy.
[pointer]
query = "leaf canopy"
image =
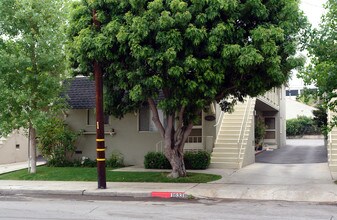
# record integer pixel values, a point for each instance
(32, 60)
(185, 53)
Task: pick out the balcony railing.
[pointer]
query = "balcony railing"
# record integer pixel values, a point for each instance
(271, 97)
(192, 143)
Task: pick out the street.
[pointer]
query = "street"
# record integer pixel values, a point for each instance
(81, 207)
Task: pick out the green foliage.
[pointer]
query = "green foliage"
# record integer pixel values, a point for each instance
(199, 160)
(59, 162)
(321, 119)
(56, 141)
(193, 160)
(322, 70)
(115, 160)
(302, 125)
(260, 130)
(309, 97)
(192, 52)
(156, 160)
(87, 162)
(32, 61)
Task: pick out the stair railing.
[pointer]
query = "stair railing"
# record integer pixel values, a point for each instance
(243, 130)
(218, 122)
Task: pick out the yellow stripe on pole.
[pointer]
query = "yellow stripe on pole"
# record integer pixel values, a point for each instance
(100, 140)
(100, 149)
(100, 159)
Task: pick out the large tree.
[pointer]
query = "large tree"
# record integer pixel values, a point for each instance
(181, 55)
(322, 47)
(32, 61)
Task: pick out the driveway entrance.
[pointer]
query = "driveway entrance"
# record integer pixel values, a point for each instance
(301, 162)
(297, 151)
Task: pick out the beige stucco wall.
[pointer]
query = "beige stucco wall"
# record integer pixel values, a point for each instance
(9, 153)
(127, 140)
(249, 157)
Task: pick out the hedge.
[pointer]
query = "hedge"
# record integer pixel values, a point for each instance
(199, 160)
(302, 125)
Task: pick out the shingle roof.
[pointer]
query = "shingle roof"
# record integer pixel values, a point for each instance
(81, 93)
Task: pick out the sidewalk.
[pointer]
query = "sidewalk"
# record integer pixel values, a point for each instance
(247, 183)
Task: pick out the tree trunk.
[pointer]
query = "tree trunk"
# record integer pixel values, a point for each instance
(32, 156)
(176, 159)
(174, 149)
(174, 139)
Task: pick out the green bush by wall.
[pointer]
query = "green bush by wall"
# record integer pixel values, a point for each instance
(302, 125)
(193, 160)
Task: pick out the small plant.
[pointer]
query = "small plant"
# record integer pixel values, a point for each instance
(321, 119)
(199, 160)
(156, 160)
(57, 162)
(260, 131)
(87, 162)
(116, 160)
(56, 142)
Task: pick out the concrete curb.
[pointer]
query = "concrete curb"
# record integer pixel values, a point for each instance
(39, 192)
(320, 194)
(116, 194)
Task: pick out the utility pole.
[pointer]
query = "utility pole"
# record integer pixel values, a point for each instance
(100, 143)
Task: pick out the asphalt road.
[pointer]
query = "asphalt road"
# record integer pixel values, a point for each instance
(297, 151)
(70, 208)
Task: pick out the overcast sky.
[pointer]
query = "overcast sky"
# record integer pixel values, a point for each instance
(313, 9)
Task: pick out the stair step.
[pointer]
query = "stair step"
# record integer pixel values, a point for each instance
(224, 159)
(229, 132)
(228, 141)
(224, 165)
(226, 150)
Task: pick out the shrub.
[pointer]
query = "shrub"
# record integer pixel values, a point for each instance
(301, 125)
(56, 162)
(56, 141)
(115, 160)
(156, 160)
(199, 160)
(260, 131)
(321, 119)
(193, 160)
(87, 162)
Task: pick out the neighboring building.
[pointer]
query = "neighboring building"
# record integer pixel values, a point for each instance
(295, 109)
(230, 137)
(14, 148)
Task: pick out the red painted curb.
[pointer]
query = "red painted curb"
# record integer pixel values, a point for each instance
(168, 195)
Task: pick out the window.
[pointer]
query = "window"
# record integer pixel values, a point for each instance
(17, 146)
(91, 117)
(145, 119)
(292, 92)
(270, 128)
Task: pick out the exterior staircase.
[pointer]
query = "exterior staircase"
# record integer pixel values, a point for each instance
(332, 150)
(234, 136)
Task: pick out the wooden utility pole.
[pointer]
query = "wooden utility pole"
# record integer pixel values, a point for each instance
(100, 143)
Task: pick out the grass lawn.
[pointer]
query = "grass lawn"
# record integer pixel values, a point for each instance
(90, 174)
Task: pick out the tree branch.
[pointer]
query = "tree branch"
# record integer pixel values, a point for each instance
(155, 117)
(180, 122)
(186, 133)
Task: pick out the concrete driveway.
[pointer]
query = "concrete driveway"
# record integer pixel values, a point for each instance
(300, 162)
(297, 151)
